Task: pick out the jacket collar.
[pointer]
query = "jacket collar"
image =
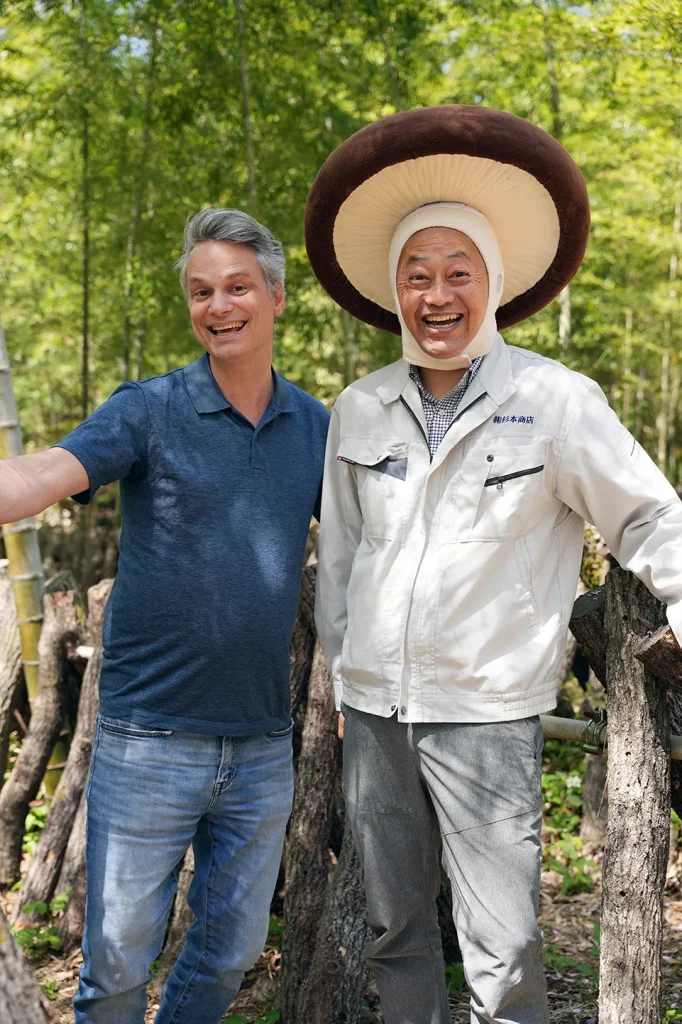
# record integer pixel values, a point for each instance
(207, 397)
(494, 377)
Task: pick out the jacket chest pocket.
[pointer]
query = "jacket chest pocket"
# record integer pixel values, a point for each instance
(381, 473)
(510, 490)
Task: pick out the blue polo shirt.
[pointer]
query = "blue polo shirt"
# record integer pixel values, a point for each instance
(215, 519)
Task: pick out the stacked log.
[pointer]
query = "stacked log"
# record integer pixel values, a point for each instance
(10, 663)
(60, 634)
(45, 867)
(621, 629)
(19, 994)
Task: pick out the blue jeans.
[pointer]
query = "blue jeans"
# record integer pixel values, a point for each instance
(152, 793)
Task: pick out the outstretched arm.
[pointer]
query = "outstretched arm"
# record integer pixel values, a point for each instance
(29, 483)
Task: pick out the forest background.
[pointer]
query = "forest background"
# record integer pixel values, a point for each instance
(122, 117)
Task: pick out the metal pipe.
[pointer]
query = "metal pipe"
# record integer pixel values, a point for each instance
(573, 730)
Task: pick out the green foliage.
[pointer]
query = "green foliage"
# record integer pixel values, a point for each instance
(37, 939)
(672, 1015)
(560, 964)
(35, 823)
(50, 988)
(563, 769)
(454, 978)
(125, 118)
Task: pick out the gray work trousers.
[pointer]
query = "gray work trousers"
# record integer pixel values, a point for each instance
(475, 790)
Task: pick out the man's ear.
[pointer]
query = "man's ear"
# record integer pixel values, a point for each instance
(279, 298)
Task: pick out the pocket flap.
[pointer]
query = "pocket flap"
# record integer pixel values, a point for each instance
(384, 456)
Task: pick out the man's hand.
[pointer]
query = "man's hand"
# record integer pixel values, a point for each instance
(30, 483)
(340, 725)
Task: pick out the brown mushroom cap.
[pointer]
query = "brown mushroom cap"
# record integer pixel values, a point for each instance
(516, 174)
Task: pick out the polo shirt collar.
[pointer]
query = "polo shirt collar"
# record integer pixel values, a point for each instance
(207, 397)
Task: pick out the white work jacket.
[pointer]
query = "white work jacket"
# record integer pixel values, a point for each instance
(445, 586)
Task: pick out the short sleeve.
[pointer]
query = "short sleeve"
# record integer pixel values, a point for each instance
(112, 442)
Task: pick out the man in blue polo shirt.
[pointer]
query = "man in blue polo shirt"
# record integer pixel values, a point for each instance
(220, 465)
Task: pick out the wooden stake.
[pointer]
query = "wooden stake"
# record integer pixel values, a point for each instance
(638, 830)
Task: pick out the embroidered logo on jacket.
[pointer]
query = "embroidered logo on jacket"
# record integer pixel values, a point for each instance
(514, 419)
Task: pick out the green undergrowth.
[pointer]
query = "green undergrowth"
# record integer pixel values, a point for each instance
(563, 768)
(41, 938)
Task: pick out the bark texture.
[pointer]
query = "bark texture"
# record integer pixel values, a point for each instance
(72, 879)
(638, 829)
(10, 662)
(303, 641)
(60, 630)
(307, 854)
(181, 919)
(595, 800)
(19, 994)
(587, 626)
(46, 863)
(661, 655)
(333, 990)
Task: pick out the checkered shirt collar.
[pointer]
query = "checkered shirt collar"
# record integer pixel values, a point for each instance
(440, 412)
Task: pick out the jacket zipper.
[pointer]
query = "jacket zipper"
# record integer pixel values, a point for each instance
(499, 480)
(421, 429)
(454, 420)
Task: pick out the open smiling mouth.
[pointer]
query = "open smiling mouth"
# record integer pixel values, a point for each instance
(442, 321)
(220, 330)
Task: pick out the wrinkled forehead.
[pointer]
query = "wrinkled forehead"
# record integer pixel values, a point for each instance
(438, 243)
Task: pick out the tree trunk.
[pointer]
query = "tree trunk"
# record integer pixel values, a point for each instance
(19, 994)
(10, 663)
(59, 630)
(627, 370)
(181, 919)
(43, 872)
(72, 880)
(247, 126)
(665, 410)
(307, 854)
(564, 298)
(303, 640)
(85, 214)
(334, 988)
(141, 161)
(587, 626)
(595, 800)
(350, 348)
(638, 830)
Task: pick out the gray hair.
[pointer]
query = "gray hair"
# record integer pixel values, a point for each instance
(221, 225)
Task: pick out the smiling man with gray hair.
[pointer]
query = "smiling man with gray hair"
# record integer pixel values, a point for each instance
(220, 464)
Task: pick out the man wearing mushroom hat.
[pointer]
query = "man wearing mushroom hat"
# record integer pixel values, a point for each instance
(458, 481)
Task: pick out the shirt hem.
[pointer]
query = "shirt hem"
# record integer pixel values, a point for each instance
(454, 707)
(178, 723)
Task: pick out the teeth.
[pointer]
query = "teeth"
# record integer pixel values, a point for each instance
(233, 326)
(441, 318)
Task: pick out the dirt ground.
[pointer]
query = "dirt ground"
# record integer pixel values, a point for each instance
(570, 925)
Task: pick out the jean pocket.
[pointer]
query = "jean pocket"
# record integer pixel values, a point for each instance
(118, 728)
(278, 734)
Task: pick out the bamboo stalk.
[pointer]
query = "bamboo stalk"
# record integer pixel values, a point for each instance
(21, 539)
(25, 565)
